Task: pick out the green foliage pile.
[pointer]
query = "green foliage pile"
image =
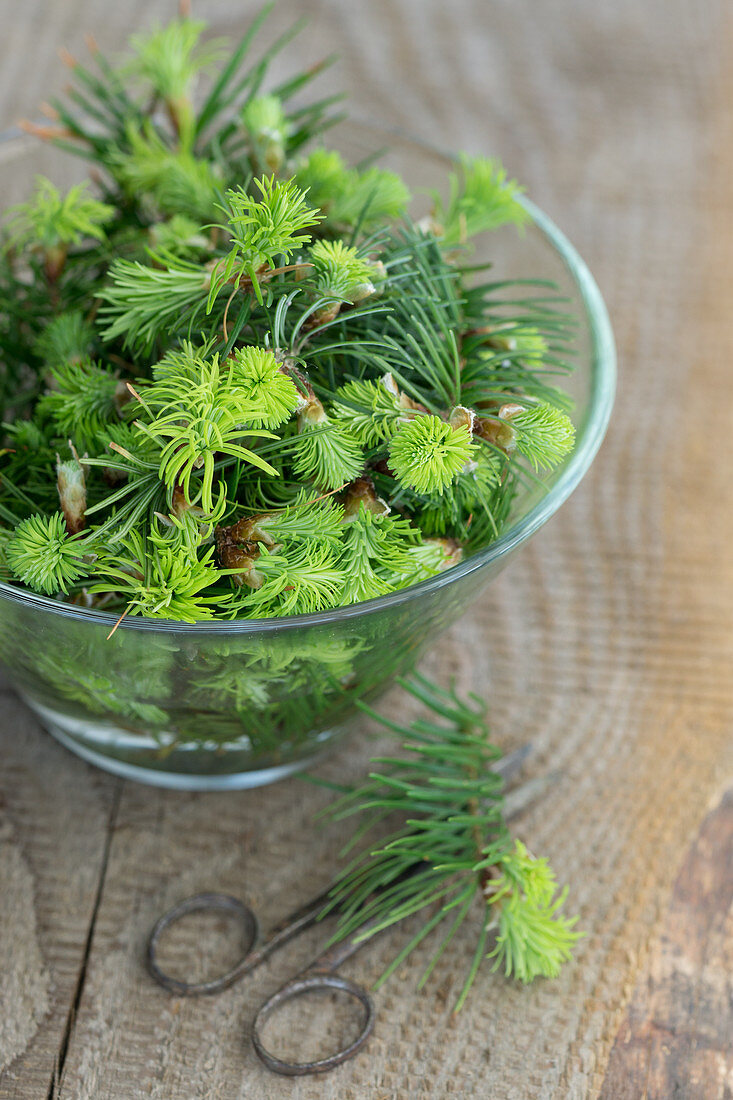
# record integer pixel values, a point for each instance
(237, 380)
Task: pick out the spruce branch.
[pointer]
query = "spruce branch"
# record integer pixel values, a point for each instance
(264, 120)
(130, 465)
(449, 849)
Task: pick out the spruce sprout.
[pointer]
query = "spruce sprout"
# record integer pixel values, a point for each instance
(481, 199)
(72, 489)
(371, 410)
(159, 578)
(84, 399)
(177, 181)
(325, 452)
(195, 423)
(68, 337)
(170, 59)
(264, 119)
(42, 554)
(348, 196)
(142, 303)
(51, 220)
(309, 518)
(542, 433)
(263, 231)
(533, 938)
(271, 394)
(178, 236)
(427, 454)
(304, 579)
(341, 271)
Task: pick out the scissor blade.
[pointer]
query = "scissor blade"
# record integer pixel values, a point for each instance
(305, 916)
(510, 764)
(520, 798)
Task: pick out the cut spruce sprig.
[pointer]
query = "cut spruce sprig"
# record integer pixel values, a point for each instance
(443, 853)
(232, 325)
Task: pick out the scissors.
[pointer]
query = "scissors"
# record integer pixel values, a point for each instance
(320, 974)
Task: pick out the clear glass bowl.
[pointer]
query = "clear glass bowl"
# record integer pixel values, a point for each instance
(237, 704)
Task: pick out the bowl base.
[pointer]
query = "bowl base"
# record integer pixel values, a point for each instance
(181, 781)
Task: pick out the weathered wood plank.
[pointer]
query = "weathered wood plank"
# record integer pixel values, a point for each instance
(54, 817)
(677, 1039)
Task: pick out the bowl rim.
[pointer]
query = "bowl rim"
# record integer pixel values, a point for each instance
(603, 388)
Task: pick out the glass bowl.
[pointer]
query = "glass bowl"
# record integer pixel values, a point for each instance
(237, 704)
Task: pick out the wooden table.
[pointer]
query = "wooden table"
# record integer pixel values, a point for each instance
(609, 642)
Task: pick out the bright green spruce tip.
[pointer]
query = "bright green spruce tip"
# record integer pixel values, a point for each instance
(237, 378)
(436, 848)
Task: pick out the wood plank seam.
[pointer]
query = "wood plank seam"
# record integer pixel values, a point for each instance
(58, 1069)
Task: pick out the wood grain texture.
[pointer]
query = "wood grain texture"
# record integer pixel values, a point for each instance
(610, 641)
(677, 1039)
(54, 819)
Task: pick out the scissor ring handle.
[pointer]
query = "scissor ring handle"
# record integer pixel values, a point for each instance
(196, 904)
(296, 988)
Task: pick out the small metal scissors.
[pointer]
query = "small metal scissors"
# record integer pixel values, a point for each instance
(320, 974)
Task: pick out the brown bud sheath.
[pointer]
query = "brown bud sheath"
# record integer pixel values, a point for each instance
(71, 484)
(506, 412)
(242, 557)
(247, 530)
(323, 316)
(54, 260)
(311, 414)
(498, 431)
(360, 492)
(404, 401)
(180, 504)
(451, 549)
(461, 417)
